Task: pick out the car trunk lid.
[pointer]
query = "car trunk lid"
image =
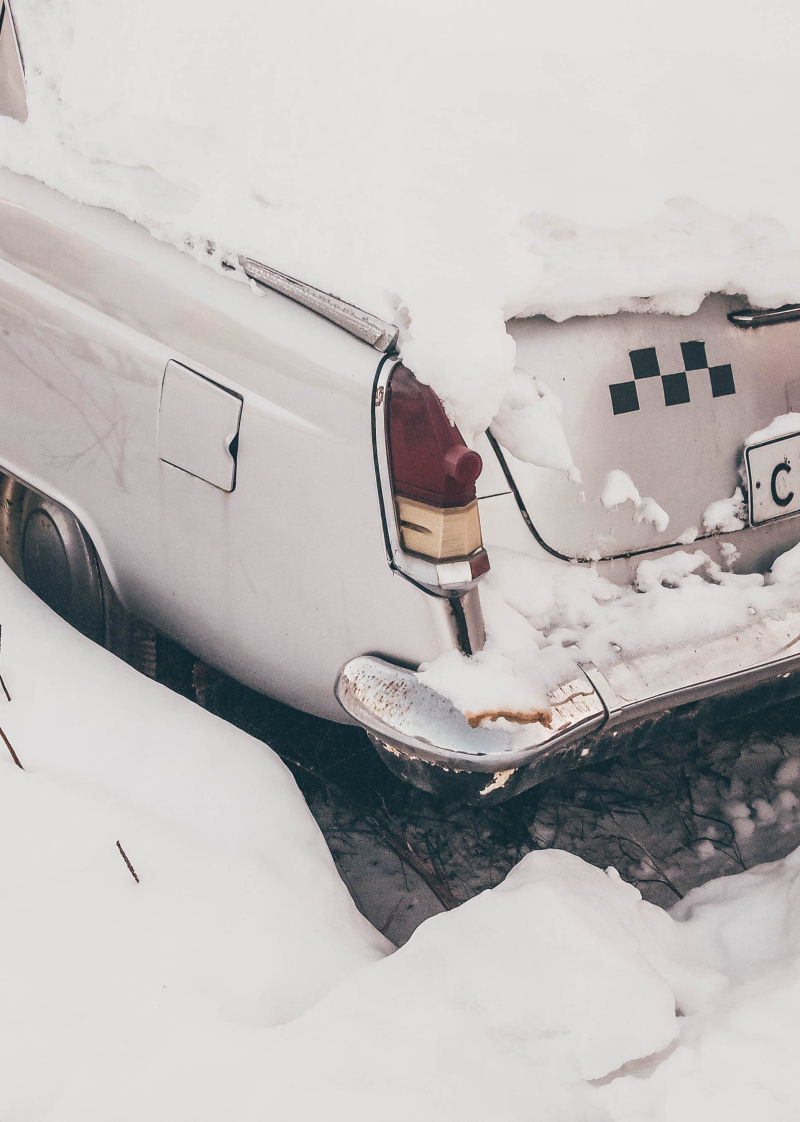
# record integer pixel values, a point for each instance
(667, 401)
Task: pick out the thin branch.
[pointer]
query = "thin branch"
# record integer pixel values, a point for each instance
(394, 841)
(10, 747)
(131, 869)
(654, 865)
(2, 682)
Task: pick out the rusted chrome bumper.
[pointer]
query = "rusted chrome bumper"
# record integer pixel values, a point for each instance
(425, 739)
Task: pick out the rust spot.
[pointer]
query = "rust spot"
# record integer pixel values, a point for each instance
(518, 716)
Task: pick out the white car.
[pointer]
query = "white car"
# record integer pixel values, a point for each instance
(244, 462)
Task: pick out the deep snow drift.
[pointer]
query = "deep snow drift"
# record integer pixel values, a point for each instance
(442, 164)
(236, 980)
(239, 918)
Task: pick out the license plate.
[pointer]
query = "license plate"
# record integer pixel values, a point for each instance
(773, 478)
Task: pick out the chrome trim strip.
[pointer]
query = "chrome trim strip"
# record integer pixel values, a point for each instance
(789, 313)
(13, 91)
(370, 329)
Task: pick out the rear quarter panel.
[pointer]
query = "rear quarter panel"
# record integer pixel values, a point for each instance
(277, 582)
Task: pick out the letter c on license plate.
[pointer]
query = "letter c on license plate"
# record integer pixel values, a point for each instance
(773, 478)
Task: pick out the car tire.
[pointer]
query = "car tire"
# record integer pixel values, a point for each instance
(47, 548)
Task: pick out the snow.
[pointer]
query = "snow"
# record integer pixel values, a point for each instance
(786, 568)
(619, 488)
(450, 169)
(235, 978)
(785, 425)
(446, 169)
(444, 166)
(544, 619)
(239, 918)
(723, 516)
(529, 426)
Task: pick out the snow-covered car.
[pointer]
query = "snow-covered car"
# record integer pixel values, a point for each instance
(244, 462)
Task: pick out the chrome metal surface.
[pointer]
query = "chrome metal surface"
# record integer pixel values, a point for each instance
(13, 99)
(413, 721)
(750, 318)
(397, 708)
(473, 618)
(654, 683)
(370, 329)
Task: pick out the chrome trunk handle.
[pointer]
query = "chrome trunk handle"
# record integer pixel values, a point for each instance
(749, 318)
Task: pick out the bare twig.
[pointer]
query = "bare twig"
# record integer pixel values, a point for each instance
(131, 869)
(654, 865)
(10, 747)
(391, 838)
(422, 867)
(2, 682)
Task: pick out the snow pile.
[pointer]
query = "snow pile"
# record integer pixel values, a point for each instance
(544, 619)
(518, 997)
(736, 1056)
(529, 425)
(443, 165)
(239, 919)
(561, 992)
(724, 516)
(234, 978)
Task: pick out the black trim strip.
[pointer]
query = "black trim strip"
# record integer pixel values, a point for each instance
(565, 556)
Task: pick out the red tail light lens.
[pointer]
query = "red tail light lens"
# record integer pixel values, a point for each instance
(428, 457)
(433, 476)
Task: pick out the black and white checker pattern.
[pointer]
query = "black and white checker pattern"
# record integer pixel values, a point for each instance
(644, 362)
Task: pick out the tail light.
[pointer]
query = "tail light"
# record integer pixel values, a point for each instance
(433, 476)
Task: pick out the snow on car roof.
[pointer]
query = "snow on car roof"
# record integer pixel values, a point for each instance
(443, 166)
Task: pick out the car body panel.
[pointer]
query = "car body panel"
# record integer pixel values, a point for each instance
(259, 581)
(253, 524)
(722, 383)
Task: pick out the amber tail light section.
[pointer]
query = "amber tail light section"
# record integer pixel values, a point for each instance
(433, 475)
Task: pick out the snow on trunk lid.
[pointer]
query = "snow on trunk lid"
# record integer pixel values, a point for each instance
(656, 410)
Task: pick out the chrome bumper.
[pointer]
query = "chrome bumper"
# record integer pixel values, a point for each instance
(423, 737)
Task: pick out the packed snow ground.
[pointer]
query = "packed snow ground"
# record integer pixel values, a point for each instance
(235, 979)
(445, 165)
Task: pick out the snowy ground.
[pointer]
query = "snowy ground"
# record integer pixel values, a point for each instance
(234, 978)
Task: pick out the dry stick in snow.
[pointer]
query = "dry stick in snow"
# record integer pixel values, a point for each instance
(10, 747)
(394, 841)
(131, 869)
(2, 682)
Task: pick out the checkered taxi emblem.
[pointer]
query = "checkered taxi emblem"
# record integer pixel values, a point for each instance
(625, 395)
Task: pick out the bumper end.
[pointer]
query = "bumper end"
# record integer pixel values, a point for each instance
(423, 737)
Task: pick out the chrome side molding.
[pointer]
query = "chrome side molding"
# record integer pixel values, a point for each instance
(13, 98)
(370, 329)
(749, 318)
